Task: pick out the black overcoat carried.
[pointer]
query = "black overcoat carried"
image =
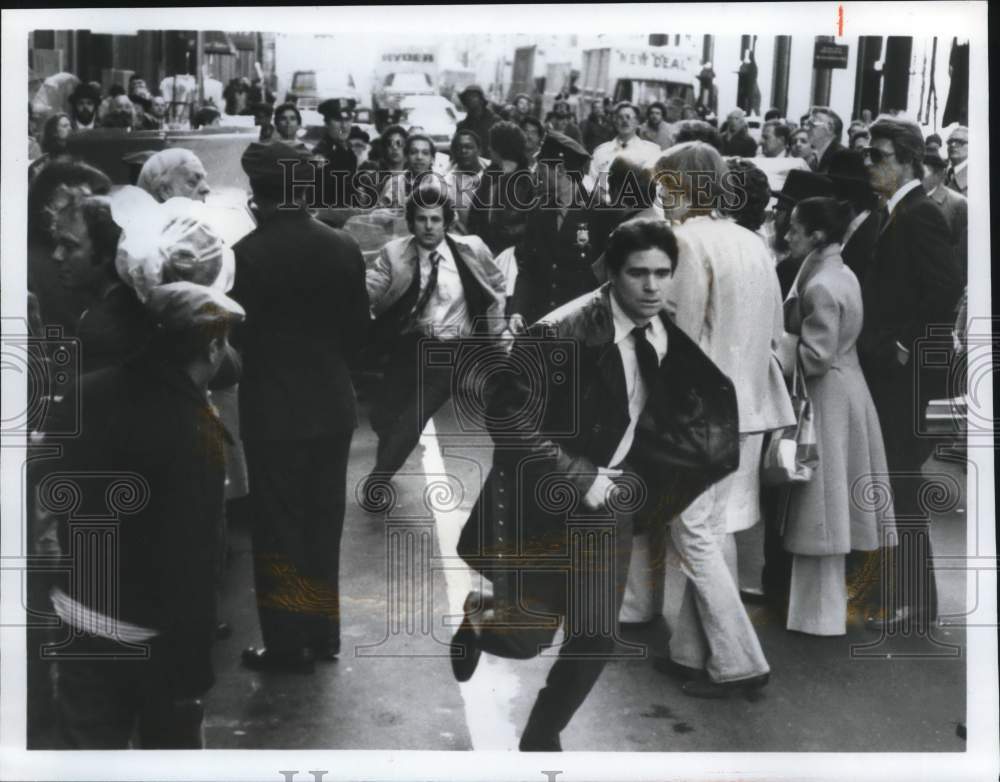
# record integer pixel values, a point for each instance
(562, 409)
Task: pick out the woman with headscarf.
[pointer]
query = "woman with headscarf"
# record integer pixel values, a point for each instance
(725, 296)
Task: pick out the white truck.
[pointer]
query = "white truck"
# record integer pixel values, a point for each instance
(639, 74)
(402, 71)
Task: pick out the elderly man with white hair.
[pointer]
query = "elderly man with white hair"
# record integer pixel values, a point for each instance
(174, 172)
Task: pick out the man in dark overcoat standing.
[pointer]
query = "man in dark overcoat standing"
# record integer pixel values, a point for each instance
(912, 283)
(605, 410)
(302, 285)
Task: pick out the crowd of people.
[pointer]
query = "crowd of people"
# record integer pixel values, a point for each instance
(698, 311)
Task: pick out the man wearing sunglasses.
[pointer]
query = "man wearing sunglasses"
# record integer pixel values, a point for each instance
(957, 177)
(912, 283)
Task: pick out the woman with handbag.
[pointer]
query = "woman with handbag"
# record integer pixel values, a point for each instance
(846, 503)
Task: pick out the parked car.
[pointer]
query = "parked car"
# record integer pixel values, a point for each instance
(310, 88)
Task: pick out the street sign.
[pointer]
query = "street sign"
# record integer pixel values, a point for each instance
(830, 55)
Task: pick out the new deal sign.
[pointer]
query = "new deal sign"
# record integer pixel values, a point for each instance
(830, 55)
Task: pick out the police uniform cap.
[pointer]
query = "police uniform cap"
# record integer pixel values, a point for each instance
(337, 108)
(559, 146)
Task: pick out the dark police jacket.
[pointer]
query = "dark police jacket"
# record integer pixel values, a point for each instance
(561, 412)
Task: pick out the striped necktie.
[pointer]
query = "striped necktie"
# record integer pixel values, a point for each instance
(425, 294)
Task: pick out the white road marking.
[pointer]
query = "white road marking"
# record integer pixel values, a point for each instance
(489, 694)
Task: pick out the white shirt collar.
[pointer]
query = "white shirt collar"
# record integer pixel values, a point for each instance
(961, 165)
(424, 254)
(624, 324)
(901, 193)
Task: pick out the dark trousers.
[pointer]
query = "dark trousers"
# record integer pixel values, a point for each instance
(298, 498)
(911, 580)
(412, 390)
(587, 607)
(103, 703)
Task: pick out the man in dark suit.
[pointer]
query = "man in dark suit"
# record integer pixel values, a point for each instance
(825, 128)
(302, 285)
(954, 206)
(911, 285)
(139, 657)
(428, 289)
(610, 424)
(556, 253)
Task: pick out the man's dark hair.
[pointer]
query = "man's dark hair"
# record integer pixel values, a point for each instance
(780, 128)
(471, 134)
(428, 194)
(824, 214)
(906, 137)
(627, 104)
(656, 105)
(68, 172)
(508, 142)
(418, 137)
(281, 108)
(630, 184)
(697, 130)
(534, 122)
(635, 236)
(772, 114)
(206, 115)
(115, 90)
(755, 194)
(104, 233)
(393, 130)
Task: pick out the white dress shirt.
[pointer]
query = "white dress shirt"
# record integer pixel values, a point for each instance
(636, 150)
(635, 386)
(900, 194)
(446, 315)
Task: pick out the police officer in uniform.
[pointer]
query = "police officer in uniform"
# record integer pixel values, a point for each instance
(338, 117)
(557, 250)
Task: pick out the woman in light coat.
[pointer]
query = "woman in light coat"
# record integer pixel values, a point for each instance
(725, 296)
(846, 505)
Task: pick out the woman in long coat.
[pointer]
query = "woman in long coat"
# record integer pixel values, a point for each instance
(846, 505)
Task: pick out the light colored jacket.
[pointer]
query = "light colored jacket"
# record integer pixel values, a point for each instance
(726, 297)
(392, 273)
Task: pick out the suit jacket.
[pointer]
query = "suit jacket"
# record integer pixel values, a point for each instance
(858, 249)
(823, 164)
(561, 411)
(302, 285)
(958, 180)
(912, 283)
(552, 267)
(390, 278)
(955, 207)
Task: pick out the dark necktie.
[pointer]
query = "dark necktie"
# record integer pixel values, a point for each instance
(649, 362)
(883, 219)
(425, 294)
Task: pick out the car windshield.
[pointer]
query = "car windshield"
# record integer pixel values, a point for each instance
(311, 81)
(408, 81)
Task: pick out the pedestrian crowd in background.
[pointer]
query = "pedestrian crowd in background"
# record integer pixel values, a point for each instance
(216, 370)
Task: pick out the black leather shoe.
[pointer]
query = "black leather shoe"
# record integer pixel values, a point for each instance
(539, 742)
(668, 667)
(706, 688)
(260, 659)
(327, 651)
(465, 651)
(754, 597)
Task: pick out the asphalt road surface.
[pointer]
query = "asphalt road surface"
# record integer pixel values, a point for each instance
(393, 688)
